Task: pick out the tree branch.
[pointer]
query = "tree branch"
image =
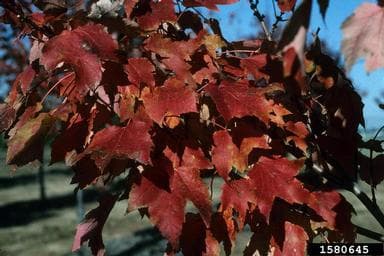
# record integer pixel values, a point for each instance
(369, 233)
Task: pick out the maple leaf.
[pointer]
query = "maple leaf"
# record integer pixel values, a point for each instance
(175, 54)
(238, 100)
(24, 79)
(211, 4)
(139, 71)
(91, 228)
(276, 178)
(82, 48)
(362, 34)
(171, 99)
(371, 170)
(226, 155)
(166, 206)
(7, 116)
(130, 142)
(71, 138)
(27, 143)
(196, 239)
(295, 242)
(237, 194)
(160, 11)
(253, 65)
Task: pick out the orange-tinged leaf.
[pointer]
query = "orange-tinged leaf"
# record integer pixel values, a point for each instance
(7, 116)
(129, 5)
(213, 42)
(362, 37)
(27, 144)
(175, 53)
(225, 154)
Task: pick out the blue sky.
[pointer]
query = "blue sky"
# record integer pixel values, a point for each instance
(243, 24)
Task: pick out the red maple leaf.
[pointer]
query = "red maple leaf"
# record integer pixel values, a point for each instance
(140, 71)
(130, 142)
(175, 54)
(166, 206)
(226, 155)
(295, 242)
(160, 11)
(238, 100)
(171, 99)
(82, 49)
(273, 178)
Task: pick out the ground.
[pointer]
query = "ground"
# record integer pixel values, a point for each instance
(28, 227)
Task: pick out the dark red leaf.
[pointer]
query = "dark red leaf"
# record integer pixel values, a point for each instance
(196, 239)
(161, 11)
(91, 228)
(372, 171)
(166, 208)
(130, 142)
(239, 100)
(81, 48)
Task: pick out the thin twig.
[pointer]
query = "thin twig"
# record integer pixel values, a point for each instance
(211, 185)
(261, 18)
